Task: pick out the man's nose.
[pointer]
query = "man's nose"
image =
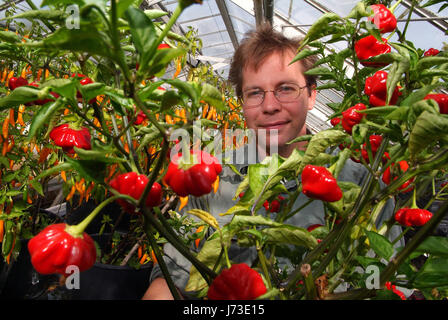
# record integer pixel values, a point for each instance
(270, 103)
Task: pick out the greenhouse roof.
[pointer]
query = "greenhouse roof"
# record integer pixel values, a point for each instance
(221, 25)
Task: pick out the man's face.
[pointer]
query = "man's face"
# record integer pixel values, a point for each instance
(288, 118)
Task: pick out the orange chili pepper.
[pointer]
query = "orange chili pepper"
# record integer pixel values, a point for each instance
(8, 258)
(5, 128)
(5, 72)
(197, 241)
(71, 193)
(44, 154)
(178, 68)
(2, 230)
(216, 184)
(5, 147)
(39, 74)
(10, 75)
(153, 257)
(11, 117)
(63, 176)
(20, 116)
(143, 258)
(204, 111)
(140, 252)
(183, 202)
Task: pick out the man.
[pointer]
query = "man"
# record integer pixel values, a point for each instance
(276, 97)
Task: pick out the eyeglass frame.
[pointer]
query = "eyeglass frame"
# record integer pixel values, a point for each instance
(300, 90)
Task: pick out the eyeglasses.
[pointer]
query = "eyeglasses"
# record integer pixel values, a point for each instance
(287, 92)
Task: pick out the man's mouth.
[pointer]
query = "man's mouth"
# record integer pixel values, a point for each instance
(273, 125)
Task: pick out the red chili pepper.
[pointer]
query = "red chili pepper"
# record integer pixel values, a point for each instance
(412, 217)
(194, 176)
(375, 142)
(273, 206)
(431, 52)
(376, 89)
(67, 137)
(17, 82)
(335, 121)
(141, 116)
(397, 171)
(351, 117)
(237, 283)
(383, 18)
(441, 99)
(163, 46)
(84, 80)
(319, 183)
(133, 184)
(393, 288)
(58, 246)
(368, 47)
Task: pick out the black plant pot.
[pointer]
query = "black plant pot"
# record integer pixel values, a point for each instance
(111, 282)
(19, 280)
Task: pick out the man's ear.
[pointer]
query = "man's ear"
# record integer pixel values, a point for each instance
(312, 97)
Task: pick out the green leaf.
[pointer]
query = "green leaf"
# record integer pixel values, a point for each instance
(91, 170)
(434, 273)
(320, 28)
(20, 95)
(43, 116)
(85, 39)
(185, 87)
(303, 54)
(380, 244)
(437, 246)
(350, 193)
(162, 58)
(398, 68)
(419, 94)
(359, 11)
(288, 234)
(155, 13)
(9, 36)
(428, 128)
(143, 35)
(97, 155)
(427, 62)
(38, 14)
(319, 143)
(91, 90)
(212, 96)
(208, 255)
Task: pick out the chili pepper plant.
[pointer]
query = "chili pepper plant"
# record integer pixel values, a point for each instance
(89, 110)
(106, 109)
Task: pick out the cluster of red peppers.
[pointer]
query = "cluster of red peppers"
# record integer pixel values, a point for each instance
(393, 172)
(318, 183)
(369, 46)
(274, 205)
(239, 282)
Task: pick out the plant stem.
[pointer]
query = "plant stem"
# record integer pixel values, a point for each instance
(150, 233)
(165, 230)
(77, 230)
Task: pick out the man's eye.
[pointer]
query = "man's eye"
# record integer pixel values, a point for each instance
(286, 89)
(254, 93)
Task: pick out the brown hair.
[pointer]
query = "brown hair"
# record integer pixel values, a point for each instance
(258, 45)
